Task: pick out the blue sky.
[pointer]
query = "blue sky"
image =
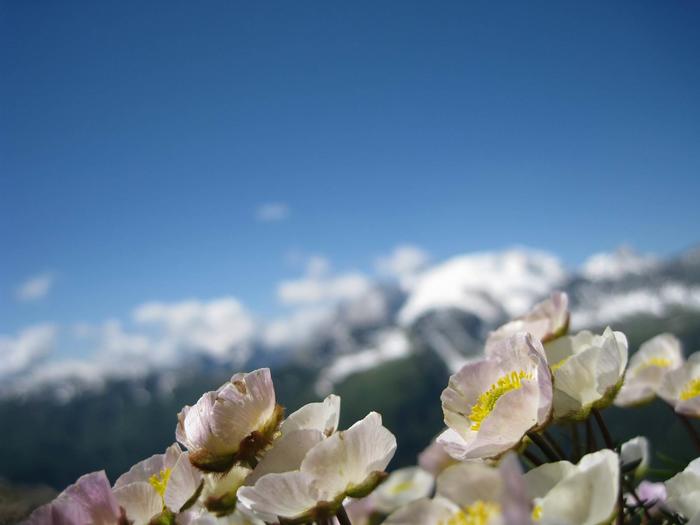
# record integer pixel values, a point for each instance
(138, 140)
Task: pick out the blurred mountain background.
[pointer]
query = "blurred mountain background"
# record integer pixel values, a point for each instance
(390, 349)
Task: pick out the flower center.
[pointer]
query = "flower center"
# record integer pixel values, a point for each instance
(691, 390)
(558, 364)
(537, 513)
(478, 513)
(659, 362)
(401, 487)
(487, 400)
(160, 481)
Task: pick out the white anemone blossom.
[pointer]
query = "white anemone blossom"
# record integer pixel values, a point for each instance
(647, 368)
(636, 450)
(681, 387)
(298, 433)
(301, 431)
(683, 492)
(546, 321)
(588, 371)
(582, 494)
(162, 485)
(231, 425)
(472, 493)
(491, 403)
(401, 488)
(349, 463)
(89, 501)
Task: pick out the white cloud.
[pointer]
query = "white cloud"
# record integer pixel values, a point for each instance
(221, 328)
(34, 288)
(297, 328)
(272, 212)
(623, 261)
(319, 285)
(24, 350)
(403, 264)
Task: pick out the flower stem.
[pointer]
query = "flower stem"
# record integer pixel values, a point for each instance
(591, 444)
(553, 443)
(690, 429)
(575, 443)
(603, 429)
(532, 458)
(342, 516)
(543, 446)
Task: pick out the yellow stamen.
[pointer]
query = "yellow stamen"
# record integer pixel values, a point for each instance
(401, 487)
(558, 364)
(487, 400)
(691, 390)
(537, 513)
(160, 481)
(478, 513)
(659, 362)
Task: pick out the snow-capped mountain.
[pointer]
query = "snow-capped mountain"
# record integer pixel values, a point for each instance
(447, 308)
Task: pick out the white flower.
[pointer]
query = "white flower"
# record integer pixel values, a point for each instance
(583, 494)
(200, 516)
(164, 483)
(652, 495)
(681, 387)
(360, 511)
(434, 458)
(491, 403)
(636, 449)
(232, 424)
(545, 321)
(348, 463)
(89, 501)
(588, 370)
(683, 492)
(219, 491)
(402, 487)
(323, 416)
(302, 430)
(471, 493)
(297, 435)
(647, 368)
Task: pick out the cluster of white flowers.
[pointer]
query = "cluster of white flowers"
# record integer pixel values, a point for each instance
(498, 461)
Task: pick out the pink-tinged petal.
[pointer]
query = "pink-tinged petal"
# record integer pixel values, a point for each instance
(516, 505)
(514, 414)
(545, 321)
(434, 458)
(348, 458)
(231, 424)
(93, 493)
(424, 512)
(140, 502)
(288, 495)
(468, 482)
(143, 470)
(182, 485)
(322, 416)
(286, 454)
(89, 501)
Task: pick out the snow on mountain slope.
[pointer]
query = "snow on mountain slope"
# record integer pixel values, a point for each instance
(488, 284)
(390, 344)
(617, 264)
(606, 308)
